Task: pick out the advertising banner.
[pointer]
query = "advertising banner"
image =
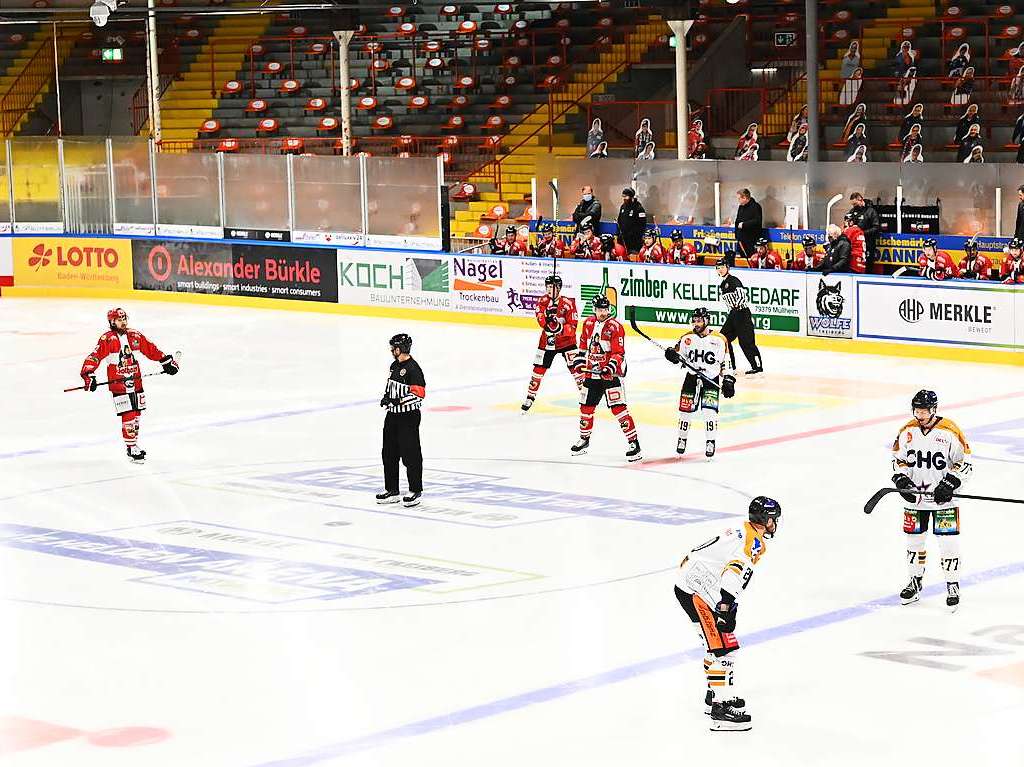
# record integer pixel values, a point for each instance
(831, 304)
(337, 239)
(258, 235)
(966, 314)
(71, 262)
(263, 271)
(383, 278)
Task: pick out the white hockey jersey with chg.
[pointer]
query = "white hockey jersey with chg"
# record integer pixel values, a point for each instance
(726, 562)
(709, 354)
(927, 455)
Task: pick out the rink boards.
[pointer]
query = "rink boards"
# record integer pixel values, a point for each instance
(985, 317)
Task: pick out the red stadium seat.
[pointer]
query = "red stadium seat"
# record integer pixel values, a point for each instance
(354, 84)
(432, 46)
(405, 83)
(396, 12)
(209, 127)
(256, 106)
(366, 103)
(481, 44)
(257, 49)
(316, 49)
(273, 68)
(494, 123)
(228, 145)
(449, 10)
(299, 31)
(232, 87)
(526, 216)
(502, 102)
(458, 102)
(374, 46)
(455, 122)
(466, 192)
(466, 82)
(406, 29)
(383, 123)
(289, 87)
(267, 125)
(497, 212)
(328, 124)
(315, 104)
(503, 9)
(484, 232)
(293, 145)
(467, 27)
(419, 102)
(436, 63)
(381, 65)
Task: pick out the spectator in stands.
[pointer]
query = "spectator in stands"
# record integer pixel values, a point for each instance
(858, 140)
(652, 250)
(797, 151)
(1012, 269)
(751, 154)
(858, 116)
(851, 87)
(866, 217)
(851, 61)
(632, 221)
(904, 59)
(859, 155)
(960, 61)
(935, 264)
(837, 252)
(799, 121)
(747, 140)
(644, 136)
(858, 244)
(1018, 226)
(907, 86)
(971, 141)
(1017, 88)
(749, 222)
(914, 138)
(509, 245)
(595, 137)
(586, 245)
(974, 266)
(1018, 137)
(695, 144)
(916, 154)
(764, 257)
(963, 127)
(912, 118)
(977, 155)
(611, 250)
(601, 151)
(648, 153)
(588, 211)
(964, 87)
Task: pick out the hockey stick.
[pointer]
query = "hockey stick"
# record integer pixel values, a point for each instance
(177, 357)
(682, 360)
(878, 496)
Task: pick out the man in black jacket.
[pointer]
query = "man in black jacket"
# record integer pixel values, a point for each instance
(632, 222)
(588, 211)
(866, 217)
(837, 252)
(749, 224)
(1018, 229)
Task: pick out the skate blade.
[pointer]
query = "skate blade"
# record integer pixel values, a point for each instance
(906, 602)
(575, 453)
(731, 726)
(411, 504)
(634, 458)
(389, 501)
(952, 608)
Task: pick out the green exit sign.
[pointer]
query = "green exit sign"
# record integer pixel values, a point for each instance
(112, 54)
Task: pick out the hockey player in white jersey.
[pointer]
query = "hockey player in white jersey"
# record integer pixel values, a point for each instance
(930, 460)
(710, 580)
(707, 352)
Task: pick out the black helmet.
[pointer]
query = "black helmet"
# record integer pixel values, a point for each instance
(628, 192)
(762, 509)
(652, 231)
(607, 239)
(701, 312)
(403, 341)
(809, 241)
(545, 228)
(602, 302)
(676, 234)
(510, 230)
(1016, 243)
(971, 246)
(586, 228)
(931, 242)
(762, 241)
(553, 279)
(722, 261)
(925, 399)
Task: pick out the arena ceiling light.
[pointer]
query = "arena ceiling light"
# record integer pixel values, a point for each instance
(101, 10)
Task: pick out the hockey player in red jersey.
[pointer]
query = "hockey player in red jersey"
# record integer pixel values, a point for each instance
(510, 245)
(681, 251)
(586, 245)
(556, 315)
(612, 250)
(651, 252)
(858, 244)
(975, 266)
(764, 257)
(935, 264)
(602, 361)
(1011, 271)
(807, 257)
(117, 349)
(547, 245)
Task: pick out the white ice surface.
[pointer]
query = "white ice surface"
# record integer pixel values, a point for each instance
(548, 634)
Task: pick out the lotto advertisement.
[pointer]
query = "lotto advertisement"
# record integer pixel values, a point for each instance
(69, 262)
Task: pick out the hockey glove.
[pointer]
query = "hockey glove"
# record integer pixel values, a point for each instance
(725, 613)
(388, 401)
(728, 387)
(672, 356)
(169, 364)
(944, 490)
(90, 381)
(903, 482)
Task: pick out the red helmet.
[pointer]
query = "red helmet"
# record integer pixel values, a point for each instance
(116, 314)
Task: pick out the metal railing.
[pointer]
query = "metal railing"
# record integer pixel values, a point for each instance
(35, 77)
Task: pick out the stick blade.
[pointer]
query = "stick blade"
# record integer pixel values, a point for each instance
(878, 496)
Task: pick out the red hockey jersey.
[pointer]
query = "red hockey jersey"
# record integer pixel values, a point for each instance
(977, 268)
(943, 267)
(653, 254)
(553, 248)
(858, 246)
(1011, 271)
(603, 347)
(119, 357)
(683, 253)
(770, 260)
(589, 249)
(558, 331)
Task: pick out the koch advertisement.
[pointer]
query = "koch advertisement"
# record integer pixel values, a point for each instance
(965, 314)
(260, 271)
(72, 262)
(383, 278)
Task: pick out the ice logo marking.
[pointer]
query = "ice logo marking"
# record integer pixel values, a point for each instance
(911, 310)
(830, 299)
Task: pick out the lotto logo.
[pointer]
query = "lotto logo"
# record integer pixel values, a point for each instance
(41, 256)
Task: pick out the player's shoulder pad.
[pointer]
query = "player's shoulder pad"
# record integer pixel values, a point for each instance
(949, 425)
(908, 425)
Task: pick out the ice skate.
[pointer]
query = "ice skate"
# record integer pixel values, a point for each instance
(912, 592)
(737, 704)
(580, 448)
(725, 718)
(709, 449)
(633, 452)
(136, 454)
(386, 497)
(681, 445)
(411, 499)
(527, 404)
(953, 596)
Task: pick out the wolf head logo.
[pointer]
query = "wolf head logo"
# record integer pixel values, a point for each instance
(830, 299)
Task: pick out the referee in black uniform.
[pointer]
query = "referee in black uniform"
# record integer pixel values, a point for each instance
(740, 322)
(403, 398)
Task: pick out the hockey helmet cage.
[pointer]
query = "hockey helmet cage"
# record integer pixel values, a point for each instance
(926, 399)
(511, 230)
(553, 279)
(602, 302)
(701, 312)
(931, 242)
(809, 241)
(116, 314)
(652, 232)
(762, 509)
(676, 234)
(401, 341)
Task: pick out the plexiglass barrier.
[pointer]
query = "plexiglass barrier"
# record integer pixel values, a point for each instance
(123, 186)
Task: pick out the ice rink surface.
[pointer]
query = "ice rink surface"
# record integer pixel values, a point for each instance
(240, 600)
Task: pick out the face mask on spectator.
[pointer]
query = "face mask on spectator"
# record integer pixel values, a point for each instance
(588, 197)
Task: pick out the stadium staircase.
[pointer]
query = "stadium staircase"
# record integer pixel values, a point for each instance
(505, 183)
(28, 74)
